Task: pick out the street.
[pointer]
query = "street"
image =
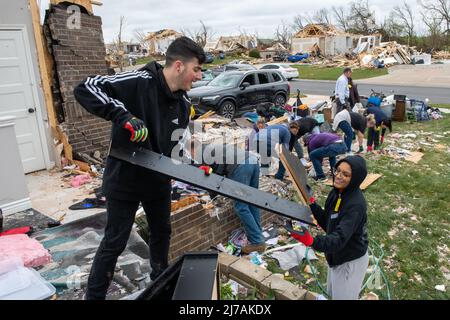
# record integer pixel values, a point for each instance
(320, 87)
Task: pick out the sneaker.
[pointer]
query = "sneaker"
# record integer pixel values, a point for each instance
(260, 248)
(320, 179)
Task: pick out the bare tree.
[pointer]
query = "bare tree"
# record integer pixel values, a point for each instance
(362, 18)
(390, 29)
(117, 49)
(322, 16)
(139, 36)
(298, 24)
(341, 17)
(406, 16)
(200, 35)
(441, 9)
(283, 34)
(433, 22)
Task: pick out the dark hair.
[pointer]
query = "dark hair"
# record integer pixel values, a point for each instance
(347, 70)
(184, 49)
(294, 125)
(388, 123)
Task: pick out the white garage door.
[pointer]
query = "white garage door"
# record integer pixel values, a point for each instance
(16, 98)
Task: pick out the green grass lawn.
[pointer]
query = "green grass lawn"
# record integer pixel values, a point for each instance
(441, 105)
(227, 59)
(324, 73)
(409, 213)
(143, 60)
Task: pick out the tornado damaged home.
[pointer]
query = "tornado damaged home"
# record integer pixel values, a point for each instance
(166, 161)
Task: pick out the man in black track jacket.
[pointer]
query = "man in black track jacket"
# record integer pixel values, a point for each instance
(145, 107)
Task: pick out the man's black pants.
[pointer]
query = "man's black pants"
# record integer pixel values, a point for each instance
(120, 219)
(340, 106)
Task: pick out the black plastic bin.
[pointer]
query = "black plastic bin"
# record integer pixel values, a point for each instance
(193, 276)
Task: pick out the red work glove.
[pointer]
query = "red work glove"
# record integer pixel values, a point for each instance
(312, 200)
(139, 131)
(303, 236)
(207, 169)
(382, 139)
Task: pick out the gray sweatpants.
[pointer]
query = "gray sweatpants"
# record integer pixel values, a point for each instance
(345, 281)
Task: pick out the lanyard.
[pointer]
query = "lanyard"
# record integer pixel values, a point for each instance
(338, 204)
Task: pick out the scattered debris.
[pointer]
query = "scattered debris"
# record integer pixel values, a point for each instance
(32, 253)
(370, 296)
(440, 287)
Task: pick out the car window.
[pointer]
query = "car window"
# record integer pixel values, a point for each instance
(263, 78)
(207, 76)
(227, 68)
(276, 76)
(250, 79)
(225, 80)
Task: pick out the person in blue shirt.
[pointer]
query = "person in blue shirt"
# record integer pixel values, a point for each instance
(266, 140)
(382, 122)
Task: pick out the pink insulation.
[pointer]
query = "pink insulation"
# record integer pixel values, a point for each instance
(29, 250)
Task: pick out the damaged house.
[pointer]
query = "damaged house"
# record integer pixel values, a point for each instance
(158, 42)
(273, 51)
(329, 40)
(232, 43)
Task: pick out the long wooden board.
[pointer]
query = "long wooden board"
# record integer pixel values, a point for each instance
(371, 178)
(218, 184)
(297, 172)
(278, 120)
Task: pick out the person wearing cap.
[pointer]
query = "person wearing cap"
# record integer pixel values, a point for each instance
(344, 218)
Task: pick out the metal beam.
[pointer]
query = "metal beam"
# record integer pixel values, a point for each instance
(190, 174)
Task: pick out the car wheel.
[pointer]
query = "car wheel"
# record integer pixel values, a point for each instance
(280, 100)
(227, 109)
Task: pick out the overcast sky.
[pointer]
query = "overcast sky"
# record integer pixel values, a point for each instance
(225, 17)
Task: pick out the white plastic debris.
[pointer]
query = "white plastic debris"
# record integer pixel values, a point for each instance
(440, 287)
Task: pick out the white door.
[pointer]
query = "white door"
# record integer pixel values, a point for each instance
(16, 98)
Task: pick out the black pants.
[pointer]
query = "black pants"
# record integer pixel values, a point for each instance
(120, 219)
(373, 136)
(340, 106)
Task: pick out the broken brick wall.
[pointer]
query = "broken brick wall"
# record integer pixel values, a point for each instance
(78, 52)
(193, 229)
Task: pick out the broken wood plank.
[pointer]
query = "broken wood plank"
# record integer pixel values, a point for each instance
(67, 147)
(183, 203)
(206, 115)
(45, 67)
(82, 165)
(414, 157)
(278, 120)
(296, 171)
(371, 178)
